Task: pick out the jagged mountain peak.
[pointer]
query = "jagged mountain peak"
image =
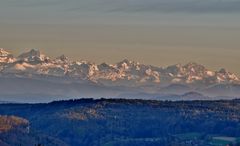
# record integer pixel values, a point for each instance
(124, 72)
(193, 69)
(174, 70)
(223, 75)
(4, 53)
(33, 55)
(63, 58)
(128, 65)
(223, 71)
(194, 65)
(128, 62)
(104, 65)
(5, 56)
(33, 52)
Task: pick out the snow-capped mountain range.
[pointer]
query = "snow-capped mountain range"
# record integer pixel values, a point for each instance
(126, 72)
(129, 74)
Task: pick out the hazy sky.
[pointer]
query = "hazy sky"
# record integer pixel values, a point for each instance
(158, 32)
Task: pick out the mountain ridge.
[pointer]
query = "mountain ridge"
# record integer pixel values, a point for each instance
(34, 62)
(124, 75)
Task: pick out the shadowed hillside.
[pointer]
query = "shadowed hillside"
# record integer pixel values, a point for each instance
(111, 122)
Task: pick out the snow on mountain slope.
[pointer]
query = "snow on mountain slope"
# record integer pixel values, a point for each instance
(4, 53)
(33, 56)
(125, 73)
(5, 57)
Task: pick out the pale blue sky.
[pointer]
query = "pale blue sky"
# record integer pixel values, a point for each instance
(158, 32)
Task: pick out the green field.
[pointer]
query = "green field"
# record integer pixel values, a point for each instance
(223, 141)
(189, 136)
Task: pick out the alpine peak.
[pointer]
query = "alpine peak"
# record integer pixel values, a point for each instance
(63, 58)
(33, 55)
(5, 56)
(4, 53)
(124, 73)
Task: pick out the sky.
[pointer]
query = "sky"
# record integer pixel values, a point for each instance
(157, 32)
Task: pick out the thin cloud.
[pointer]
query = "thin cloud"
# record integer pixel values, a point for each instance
(31, 3)
(169, 6)
(131, 6)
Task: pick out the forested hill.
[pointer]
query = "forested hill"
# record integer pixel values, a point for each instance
(111, 122)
